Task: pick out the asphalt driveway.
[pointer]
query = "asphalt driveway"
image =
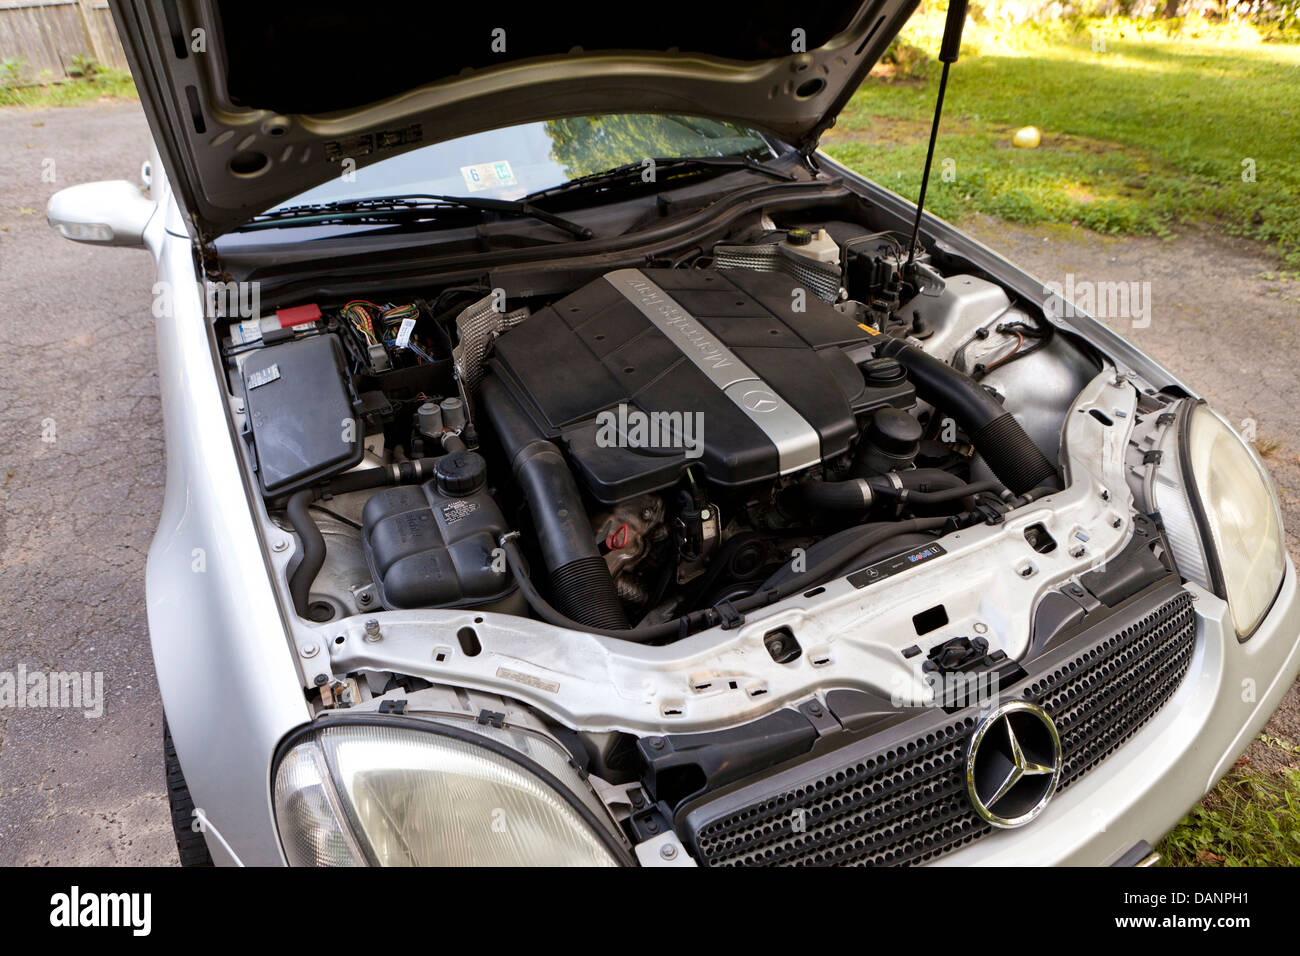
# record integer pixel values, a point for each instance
(81, 476)
(81, 465)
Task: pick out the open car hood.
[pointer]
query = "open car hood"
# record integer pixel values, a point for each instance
(251, 103)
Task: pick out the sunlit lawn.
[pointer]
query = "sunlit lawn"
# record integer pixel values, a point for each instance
(1141, 133)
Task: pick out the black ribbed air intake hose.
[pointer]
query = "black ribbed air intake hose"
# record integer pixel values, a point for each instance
(580, 580)
(994, 431)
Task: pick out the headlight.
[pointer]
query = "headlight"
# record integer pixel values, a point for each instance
(359, 793)
(1245, 553)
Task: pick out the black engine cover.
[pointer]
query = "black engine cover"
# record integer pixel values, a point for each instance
(759, 359)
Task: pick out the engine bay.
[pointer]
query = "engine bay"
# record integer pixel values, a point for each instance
(683, 516)
(658, 449)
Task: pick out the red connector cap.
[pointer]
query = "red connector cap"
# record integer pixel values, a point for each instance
(297, 315)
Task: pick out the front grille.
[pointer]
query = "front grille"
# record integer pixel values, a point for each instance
(907, 803)
(1101, 698)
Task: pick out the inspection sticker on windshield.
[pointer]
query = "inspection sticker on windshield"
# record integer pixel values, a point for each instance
(488, 175)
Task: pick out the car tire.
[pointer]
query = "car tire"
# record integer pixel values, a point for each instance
(190, 844)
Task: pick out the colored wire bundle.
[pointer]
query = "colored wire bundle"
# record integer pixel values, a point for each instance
(360, 315)
(392, 317)
(382, 324)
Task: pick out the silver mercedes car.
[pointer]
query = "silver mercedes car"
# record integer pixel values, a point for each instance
(569, 464)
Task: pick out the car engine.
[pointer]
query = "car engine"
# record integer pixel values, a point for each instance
(657, 449)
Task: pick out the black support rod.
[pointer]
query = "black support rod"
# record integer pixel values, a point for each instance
(948, 56)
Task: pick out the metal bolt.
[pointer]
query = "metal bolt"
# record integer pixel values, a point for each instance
(309, 650)
(280, 545)
(363, 597)
(657, 743)
(815, 709)
(981, 628)
(372, 630)
(321, 680)
(668, 851)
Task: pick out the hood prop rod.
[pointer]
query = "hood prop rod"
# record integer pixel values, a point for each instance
(948, 55)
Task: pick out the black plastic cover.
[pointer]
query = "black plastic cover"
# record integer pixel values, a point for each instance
(595, 350)
(299, 403)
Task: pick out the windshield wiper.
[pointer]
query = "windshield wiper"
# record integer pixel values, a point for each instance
(402, 209)
(630, 173)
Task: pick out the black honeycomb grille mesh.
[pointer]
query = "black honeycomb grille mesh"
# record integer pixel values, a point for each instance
(908, 804)
(1102, 697)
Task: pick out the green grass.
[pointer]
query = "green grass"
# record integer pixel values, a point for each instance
(1249, 819)
(1142, 137)
(111, 84)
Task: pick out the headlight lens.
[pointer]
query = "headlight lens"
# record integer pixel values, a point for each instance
(1242, 516)
(396, 796)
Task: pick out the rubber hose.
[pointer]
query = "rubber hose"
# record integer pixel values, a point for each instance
(868, 537)
(543, 609)
(312, 544)
(851, 495)
(882, 487)
(994, 431)
(580, 579)
(929, 479)
(830, 554)
(922, 486)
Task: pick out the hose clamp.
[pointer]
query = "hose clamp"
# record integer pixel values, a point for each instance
(900, 499)
(865, 490)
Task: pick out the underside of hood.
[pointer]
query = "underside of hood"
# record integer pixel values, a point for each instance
(253, 103)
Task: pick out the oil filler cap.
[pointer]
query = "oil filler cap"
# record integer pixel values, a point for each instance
(883, 372)
(460, 473)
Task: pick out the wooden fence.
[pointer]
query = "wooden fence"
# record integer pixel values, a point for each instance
(41, 39)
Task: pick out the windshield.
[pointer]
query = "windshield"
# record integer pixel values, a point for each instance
(518, 160)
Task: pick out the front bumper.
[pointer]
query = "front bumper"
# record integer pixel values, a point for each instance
(1154, 702)
(1146, 786)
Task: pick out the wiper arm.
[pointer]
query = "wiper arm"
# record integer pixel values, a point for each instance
(631, 172)
(407, 208)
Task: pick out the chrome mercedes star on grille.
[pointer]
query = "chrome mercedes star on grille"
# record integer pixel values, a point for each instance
(1014, 764)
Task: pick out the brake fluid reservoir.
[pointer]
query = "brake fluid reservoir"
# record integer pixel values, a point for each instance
(817, 246)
